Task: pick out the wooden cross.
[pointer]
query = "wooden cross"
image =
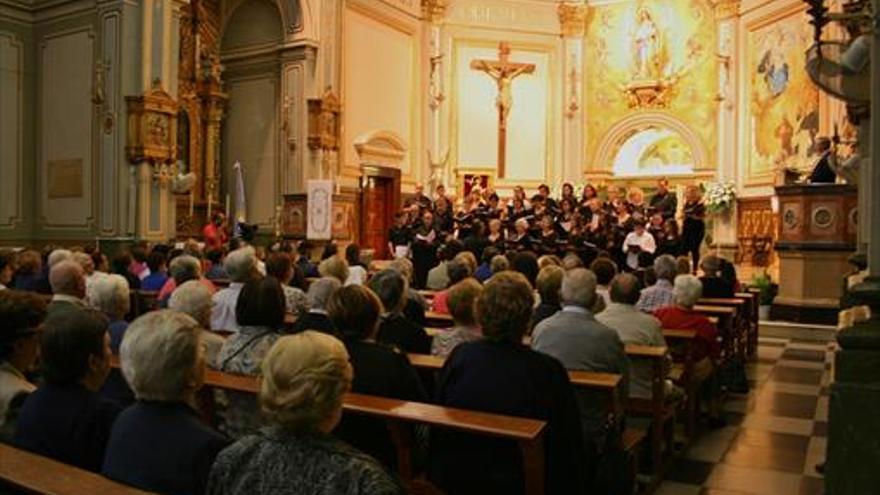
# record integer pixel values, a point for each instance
(503, 71)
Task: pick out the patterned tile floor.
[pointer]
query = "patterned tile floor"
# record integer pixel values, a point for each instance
(775, 435)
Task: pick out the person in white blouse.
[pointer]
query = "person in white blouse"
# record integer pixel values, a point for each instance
(241, 266)
(637, 241)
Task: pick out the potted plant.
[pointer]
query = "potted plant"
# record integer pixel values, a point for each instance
(764, 283)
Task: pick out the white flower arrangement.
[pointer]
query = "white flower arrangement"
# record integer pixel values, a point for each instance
(720, 196)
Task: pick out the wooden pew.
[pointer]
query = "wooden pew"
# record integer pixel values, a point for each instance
(26, 472)
(438, 319)
(752, 302)
(528, 433)
(657, 408)
(742, 321)
(726, 327)
(143, 301)
(681, 344)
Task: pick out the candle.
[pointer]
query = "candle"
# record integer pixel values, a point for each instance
(228, 207)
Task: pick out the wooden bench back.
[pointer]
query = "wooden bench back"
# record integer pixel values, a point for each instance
(31, 473)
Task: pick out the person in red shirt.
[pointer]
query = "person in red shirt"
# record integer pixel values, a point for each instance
(706, 351)
(215, 232)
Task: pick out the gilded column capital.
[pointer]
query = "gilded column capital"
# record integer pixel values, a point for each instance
(572, 18)
(726, 8)
(434, 10)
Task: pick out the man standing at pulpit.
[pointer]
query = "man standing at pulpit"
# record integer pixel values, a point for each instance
(822, 172)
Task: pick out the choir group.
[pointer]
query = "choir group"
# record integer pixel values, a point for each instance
(623, 226)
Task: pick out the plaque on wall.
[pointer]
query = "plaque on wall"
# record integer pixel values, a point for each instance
(64, 179)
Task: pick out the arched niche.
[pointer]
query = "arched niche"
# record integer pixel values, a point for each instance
(652, 144)
(251, 24)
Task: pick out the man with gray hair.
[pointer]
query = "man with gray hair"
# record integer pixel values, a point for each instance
(194, 299)
(241, 266)
(579, 342)
(633, 327)
(68, 281)
(316, 317)
(659, 295)
(59, 255)
(395, 329)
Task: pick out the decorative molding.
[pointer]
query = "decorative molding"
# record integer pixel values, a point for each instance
(434, 10)
(152, 126)
(572, 18)
(725, 9)
(324, 122)
(15, 199)
(380, 147)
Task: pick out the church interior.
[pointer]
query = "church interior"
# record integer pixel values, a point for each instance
(439, 247)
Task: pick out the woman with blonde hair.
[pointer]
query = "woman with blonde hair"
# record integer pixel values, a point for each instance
(301, 392)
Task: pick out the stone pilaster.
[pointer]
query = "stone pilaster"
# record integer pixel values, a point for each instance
(433, 12)
(573, 19)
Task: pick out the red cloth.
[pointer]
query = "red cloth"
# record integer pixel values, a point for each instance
(215, 237)
(440, 302)
(678, 318)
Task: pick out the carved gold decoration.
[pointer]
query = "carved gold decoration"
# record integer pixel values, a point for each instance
(726, 8)
(649, 94)
(434, 10)
(152, 126)
(324, 122)
(572, 19)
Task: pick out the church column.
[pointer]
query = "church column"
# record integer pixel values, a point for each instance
(154, 207)
(572, 22)
(726, 16)
(854, 402)
(439, 173)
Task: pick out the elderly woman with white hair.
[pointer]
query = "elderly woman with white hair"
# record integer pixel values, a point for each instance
(241, 266)
(316, 317)
(160, 443)
(182, 269)
(304, 377)
(194, 299)
(110, 295)
(686, 290)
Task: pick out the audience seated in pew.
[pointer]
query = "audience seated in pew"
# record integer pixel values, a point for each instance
(414, 309)
(65, 418)
(183, 268)
(580, 343)
(316, 317)
(484, 270)
(336, 267)
(68, 281)
(157, 264)
(395, 329)
(548, 283)
(457, 270)
(438, 277)
(216, 257)
(160, 443)
(605, 269)
(461, 299)
(357, 272)
(111, 296)
(379, 369)
(498, 374)
(22, 313)
(194, 299)
(31, 274)
(280, 266)
(659, 295)
(260, 317)
(304, 377)
(714, 285)
(7, 268)
(633, 327)
(706, 349)
(241, 265)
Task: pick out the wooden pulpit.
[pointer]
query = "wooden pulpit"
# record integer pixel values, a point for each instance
(817, 233)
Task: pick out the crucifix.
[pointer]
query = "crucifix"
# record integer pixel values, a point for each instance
(503, 71)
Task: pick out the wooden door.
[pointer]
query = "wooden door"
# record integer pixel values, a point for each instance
(378, 214)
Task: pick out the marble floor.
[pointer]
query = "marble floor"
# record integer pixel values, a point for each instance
(775, 435)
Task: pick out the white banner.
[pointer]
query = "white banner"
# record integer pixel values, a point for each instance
(319, 197)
